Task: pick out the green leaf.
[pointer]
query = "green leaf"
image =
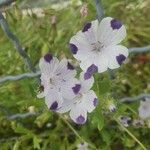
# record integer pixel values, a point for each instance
(98, 119)
(36, 142)
(21, 129)
(104, 86)
(106, 136)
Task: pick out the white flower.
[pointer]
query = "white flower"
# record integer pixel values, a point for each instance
(96, 46)
(84, 102)
(125, 121)
(144, 109)
(58, 81)
(82, 146)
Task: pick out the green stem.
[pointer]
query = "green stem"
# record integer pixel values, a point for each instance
(125, 129)
(76, 133)
(99, 9)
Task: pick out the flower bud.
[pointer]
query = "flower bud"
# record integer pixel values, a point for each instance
(84, 10)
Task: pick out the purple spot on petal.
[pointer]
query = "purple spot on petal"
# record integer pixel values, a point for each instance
(80, 120)
(54, 106)
(87, 76)
(73, 48)
(95, 102)
(115, 24)
(48, 57)
(76, 88)
(86, 27)
(120, 59)
(70, 66)
(92, 69)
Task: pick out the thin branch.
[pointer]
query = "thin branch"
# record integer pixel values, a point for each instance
(99, 9)
(6, 2)
(139, 49)
(131, 135)
(22, 116)
(136, 98)
(20, 76)
(16, 42)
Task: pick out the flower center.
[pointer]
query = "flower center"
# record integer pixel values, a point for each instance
(52, 82)
(97, 46)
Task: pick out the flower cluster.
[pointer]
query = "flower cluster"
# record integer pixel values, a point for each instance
(96, 48)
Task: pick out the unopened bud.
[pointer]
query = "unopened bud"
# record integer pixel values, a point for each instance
(31, 109)
(112, 108)
(84, 10)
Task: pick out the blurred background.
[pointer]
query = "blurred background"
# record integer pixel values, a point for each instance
(47, 26)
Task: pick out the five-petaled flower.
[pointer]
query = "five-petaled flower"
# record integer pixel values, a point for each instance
(84, 102)
(96, 46)
(58, 81)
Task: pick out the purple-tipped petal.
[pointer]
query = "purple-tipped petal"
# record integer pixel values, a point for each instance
(87, 76)
(73, 48)
(86, 27)
(120, 59)
(90, 71)
(48, 57)
(76, 88)
(54, 106)
(70, 66)
(80, 120)
(115, 24)
(95, 102)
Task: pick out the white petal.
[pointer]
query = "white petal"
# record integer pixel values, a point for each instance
(102, 62)
(86, 84)
(90, 31)
(116, 55)
(78, 114)
(70, 88)
(53, 99)
(65, 70)
(99, 60)
(111, 32)
(48, 67)
(79, 46)
(144, 109)
(87, 62)
(66, 106)
(90, 100)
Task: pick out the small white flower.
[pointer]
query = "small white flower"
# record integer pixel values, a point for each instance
(84, 102)
(125, 121)
(82, 146)
(96, 46)
(58, 81)
(144, 109)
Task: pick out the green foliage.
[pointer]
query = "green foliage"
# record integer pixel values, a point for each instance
(46, 130)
